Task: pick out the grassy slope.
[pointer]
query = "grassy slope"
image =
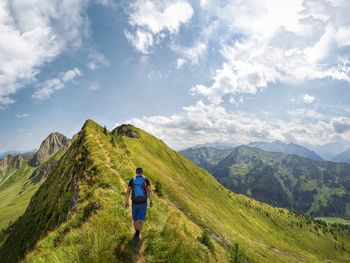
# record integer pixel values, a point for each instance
(15, 193)
(100, 228)
(17, 188)
(232, 217)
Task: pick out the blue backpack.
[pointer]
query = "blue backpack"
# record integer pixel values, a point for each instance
(139, 193)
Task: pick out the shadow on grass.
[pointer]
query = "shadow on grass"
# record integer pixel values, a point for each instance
(127, 250)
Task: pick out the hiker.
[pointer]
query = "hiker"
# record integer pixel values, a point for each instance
(140, 188)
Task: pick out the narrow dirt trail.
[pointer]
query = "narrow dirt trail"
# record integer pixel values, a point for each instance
(108, 162)
(140, 256)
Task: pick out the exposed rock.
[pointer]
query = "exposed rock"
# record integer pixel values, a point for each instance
(11, 161)
(42, 171)
(126, 130)
(49, 147)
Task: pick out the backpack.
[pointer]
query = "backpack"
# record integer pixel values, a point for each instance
(139, 194)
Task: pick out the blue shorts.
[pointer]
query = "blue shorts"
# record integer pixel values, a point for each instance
(139, 211)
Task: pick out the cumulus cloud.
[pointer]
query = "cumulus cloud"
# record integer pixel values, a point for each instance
(154, 20)
(203, 123)
(47, 88)
(302, 40)
(33, 33)
(261, 42)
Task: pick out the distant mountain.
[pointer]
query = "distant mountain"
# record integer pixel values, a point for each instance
(316, 188)
(21, 173)
(25, 154)
(329, 150)
(217, 145)
(343, 157)
(49, 147)
(291, 148)
(11, 162)
(206, 157)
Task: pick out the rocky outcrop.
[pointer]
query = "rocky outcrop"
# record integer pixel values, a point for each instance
(126, 130)
(41, 173)
(11, 161)
(49, 147)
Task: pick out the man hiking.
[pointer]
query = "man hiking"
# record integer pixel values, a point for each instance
(140, 189)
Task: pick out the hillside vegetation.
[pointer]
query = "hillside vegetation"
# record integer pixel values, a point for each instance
(77, 214)
(315, 188)
(15, 192)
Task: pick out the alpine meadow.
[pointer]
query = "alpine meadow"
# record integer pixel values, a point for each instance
(175, 131)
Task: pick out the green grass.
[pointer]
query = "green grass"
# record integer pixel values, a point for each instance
(15, 193)
(77, 214)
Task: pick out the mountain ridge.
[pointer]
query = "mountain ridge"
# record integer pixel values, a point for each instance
(314, 187)
(342, 157)
(79, 209)
(290, 148)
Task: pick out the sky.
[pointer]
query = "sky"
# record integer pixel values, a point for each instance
(189, 72)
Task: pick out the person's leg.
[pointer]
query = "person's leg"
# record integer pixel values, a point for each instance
(138, 225)
(140, 217)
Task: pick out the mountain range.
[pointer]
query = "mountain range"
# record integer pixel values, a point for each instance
(76, 214)
(291, 148)
(316, 188)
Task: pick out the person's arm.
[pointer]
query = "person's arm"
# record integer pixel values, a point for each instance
(127, 195)
(149, 193)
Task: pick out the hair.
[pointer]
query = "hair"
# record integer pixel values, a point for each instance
(139, 170)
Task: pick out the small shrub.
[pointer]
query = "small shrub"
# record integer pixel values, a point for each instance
(89, 209)
(158, 188)
(113, 141)
(105, 130)
(205, 240)
(237, 254)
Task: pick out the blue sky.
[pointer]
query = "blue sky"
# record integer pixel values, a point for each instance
(189, 72)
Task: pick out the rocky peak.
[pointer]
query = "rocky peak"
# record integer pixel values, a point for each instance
(126, 130)
(49, 147)
(11, 161)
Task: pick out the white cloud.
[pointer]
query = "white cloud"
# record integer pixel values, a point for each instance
(141, 40)
(189, 54)
(180, 63)
(20, 116)
(305, 113)
(33, 33)
(261, 42)
(225, 81)
(203, 123)
(301, 41)
(47, 88)
(154, 20)
(308, 99)
(97, 60)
